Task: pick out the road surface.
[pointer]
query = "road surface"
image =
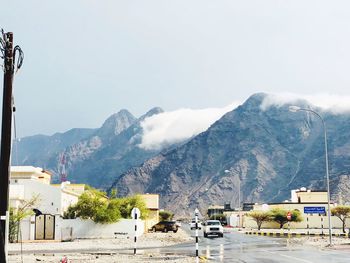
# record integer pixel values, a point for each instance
(237, 247)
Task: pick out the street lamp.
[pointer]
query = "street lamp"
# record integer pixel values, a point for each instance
(239, 189)
(296, 109)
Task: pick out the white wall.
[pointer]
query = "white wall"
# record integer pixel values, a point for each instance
(67, 200)
(49, 196)
(89, 229)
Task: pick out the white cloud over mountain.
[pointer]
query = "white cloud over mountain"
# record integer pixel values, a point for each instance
(328, 102)
(178, 125)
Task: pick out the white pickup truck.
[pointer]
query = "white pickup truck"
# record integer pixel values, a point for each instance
(213, 227)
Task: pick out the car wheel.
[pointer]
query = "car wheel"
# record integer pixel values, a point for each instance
(175, 231)
(165, 230)
(221, 235)
(205, 234)
(153, 229)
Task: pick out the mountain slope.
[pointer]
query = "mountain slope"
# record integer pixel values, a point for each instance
(92, 156)
(36, 150)
(113, 158)
(269, 151)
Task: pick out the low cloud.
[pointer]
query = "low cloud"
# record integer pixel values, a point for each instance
(328, 102)
(176, 126)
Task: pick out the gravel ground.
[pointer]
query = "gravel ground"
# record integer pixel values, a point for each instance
(102, 250)
(320, 242)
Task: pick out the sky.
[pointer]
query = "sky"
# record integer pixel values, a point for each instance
(85, 60)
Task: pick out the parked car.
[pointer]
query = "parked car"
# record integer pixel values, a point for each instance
(213, 227)
(193, 224)
(165, 226)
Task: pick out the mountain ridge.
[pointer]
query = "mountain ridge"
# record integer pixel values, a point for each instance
(270, 151)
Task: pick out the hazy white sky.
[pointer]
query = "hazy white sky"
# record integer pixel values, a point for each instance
(85, 60)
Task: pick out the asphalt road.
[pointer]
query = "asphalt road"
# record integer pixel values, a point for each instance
(237, 247)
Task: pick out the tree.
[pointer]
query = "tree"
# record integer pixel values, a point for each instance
(260, 217)
(342, 212)
(128, 203)
(18, 214)
(166, 215)
(95, 205)
(279, 215)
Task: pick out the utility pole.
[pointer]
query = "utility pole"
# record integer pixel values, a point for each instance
(8, 56)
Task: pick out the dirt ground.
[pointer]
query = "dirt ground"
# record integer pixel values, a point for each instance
(101, 250)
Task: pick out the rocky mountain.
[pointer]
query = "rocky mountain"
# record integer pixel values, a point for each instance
(92, 156)
(38, 149)
(110, 157)
(264, 151)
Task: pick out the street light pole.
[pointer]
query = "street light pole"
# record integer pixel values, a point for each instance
(239, 194)
(296, 109)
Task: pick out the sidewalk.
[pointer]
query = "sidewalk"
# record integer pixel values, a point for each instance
(294, 232)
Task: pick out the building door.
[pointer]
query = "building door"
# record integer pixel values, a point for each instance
(45, 227)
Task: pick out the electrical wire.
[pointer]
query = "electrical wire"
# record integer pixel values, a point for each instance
(15, 140)
(2, 41)
(20, 59)
(2, 45)
(16, 51)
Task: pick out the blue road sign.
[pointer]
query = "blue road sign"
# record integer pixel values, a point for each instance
(314, 210)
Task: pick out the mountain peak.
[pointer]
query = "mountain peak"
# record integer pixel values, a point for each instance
(117, 122)
(255, 101)
(151, 112)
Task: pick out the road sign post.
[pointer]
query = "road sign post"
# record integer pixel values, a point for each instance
(135, 214)
(196, 213)
(321, 210)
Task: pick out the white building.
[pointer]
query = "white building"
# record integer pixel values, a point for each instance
(28, 181)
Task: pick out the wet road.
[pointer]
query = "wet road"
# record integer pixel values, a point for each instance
(237, 247)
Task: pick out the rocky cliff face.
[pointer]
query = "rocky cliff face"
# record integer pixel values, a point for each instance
(37, 150)
(114, 155)
(267, 152)
(92, 156)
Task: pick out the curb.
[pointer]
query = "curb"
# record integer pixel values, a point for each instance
(274, 234)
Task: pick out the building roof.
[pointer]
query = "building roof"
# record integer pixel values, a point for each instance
(29, 169)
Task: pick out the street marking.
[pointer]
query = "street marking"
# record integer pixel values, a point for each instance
(287, 256)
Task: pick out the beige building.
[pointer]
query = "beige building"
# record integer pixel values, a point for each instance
(152, 203)
(305, 201)
(30, 173)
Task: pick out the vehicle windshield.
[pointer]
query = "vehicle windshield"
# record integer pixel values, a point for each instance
(213, 223)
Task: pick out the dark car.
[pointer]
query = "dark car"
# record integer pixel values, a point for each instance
(165, 226)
